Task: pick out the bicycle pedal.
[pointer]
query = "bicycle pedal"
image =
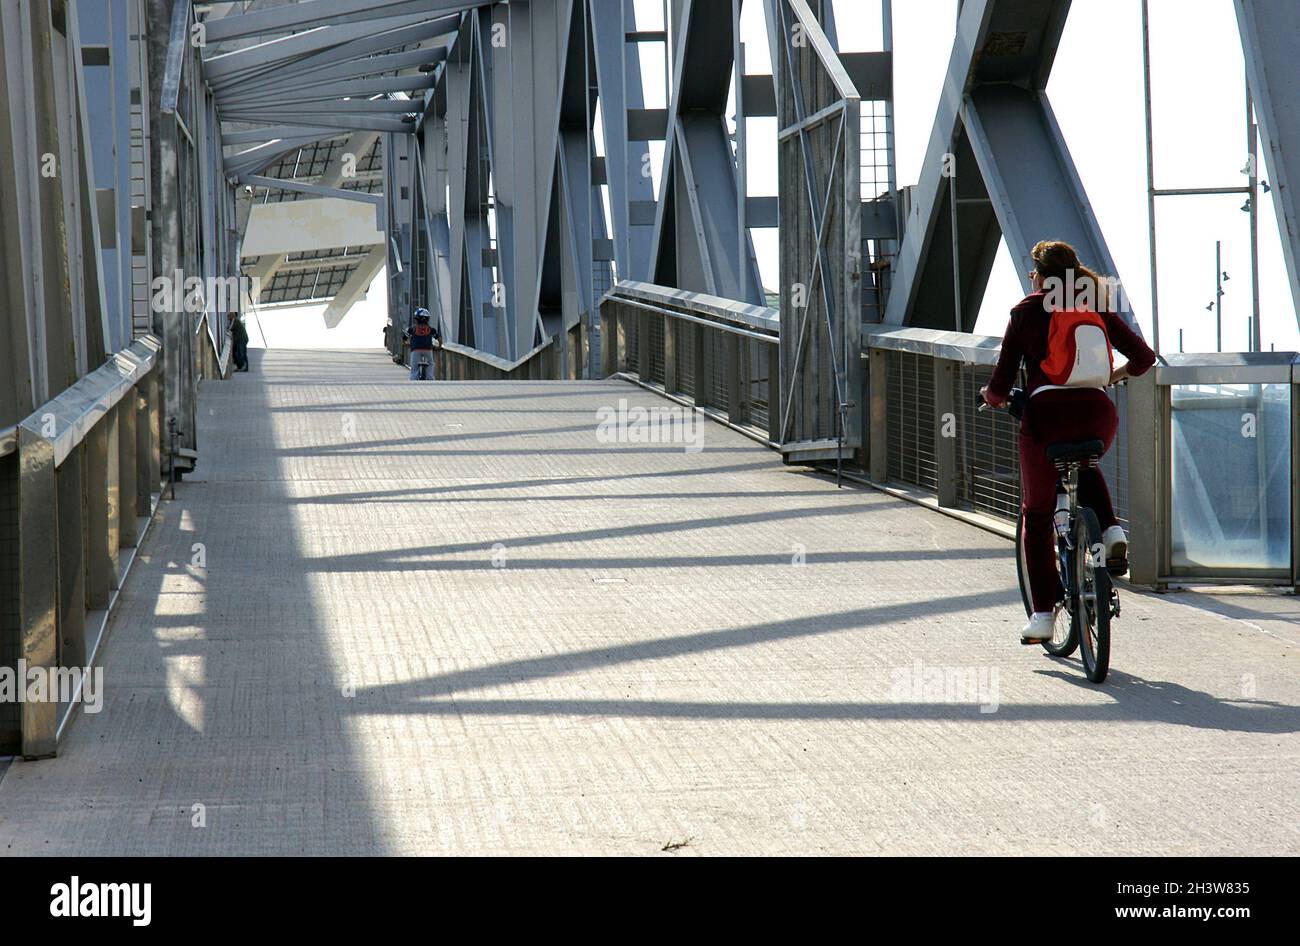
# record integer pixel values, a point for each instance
(1118, 567)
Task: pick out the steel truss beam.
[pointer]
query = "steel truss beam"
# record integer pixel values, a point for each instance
(699, 226)
(295, 15)
(1013, 172)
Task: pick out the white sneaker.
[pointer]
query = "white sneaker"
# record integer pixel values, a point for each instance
(1116, 544)
(1040, 628)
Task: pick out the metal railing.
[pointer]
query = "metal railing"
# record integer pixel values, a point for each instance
(718, 355)
(83, 476)
(462, 363)
(1201, 473)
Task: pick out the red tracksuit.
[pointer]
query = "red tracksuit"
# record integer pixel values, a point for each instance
(1056, 416)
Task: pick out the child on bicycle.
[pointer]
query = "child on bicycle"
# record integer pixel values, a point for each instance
(1062, 412)
(425, 340)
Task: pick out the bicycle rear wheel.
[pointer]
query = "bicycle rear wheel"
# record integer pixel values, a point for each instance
(1064, 640)
(1092, 596)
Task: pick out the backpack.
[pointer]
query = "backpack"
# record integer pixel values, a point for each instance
(1078, 350)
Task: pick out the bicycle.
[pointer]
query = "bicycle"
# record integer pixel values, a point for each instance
(1089, 599)
(424, 367)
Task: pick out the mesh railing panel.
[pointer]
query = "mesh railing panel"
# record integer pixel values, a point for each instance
(630, 323)
(715, 356)
(1114, 465)
(910, 419)
(988, 458)
(754, 357)
(655, 343)
(684, 341)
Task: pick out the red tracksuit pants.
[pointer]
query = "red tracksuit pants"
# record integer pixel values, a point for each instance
(1059, 416)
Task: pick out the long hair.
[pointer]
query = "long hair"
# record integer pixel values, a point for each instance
(1056, 259)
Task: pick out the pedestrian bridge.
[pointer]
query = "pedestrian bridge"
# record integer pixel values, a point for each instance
(395, 618)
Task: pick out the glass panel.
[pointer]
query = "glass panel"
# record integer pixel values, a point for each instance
(1231, 477)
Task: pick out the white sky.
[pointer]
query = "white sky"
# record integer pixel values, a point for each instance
(1096, 93)
(303, 326)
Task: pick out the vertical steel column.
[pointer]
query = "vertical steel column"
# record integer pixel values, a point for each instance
(166, 28)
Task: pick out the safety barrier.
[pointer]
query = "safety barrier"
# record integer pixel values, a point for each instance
(719, 355)
(462, 363)
(925, 431)
(1222, 486)
(83, 476)
(1201, 472)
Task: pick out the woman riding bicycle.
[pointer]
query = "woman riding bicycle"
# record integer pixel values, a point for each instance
(1058, 413)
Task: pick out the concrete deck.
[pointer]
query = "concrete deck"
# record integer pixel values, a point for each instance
(706, 650)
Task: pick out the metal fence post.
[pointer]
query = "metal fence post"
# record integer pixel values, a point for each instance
(620, 339)
(154, 405)
(128, 530)
(737, 409)
(1148, 479)
(38, 587)
(773, 392)
(671, 327)
(70, 544)
(703, 370)
(945, 439)
(878, 388)
(145, 465)
(643, 345)
(102, 506)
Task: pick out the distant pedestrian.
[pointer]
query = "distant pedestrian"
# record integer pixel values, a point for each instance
(425, 340)
(239, 338)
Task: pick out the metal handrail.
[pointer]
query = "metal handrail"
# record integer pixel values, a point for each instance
(743, 313)
(496, 361)
(101, 419)
(715, 323)
(78, 409)
(953, 346)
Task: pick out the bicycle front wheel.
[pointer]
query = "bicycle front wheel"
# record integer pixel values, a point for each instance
(1092, 596)
(1064, 640)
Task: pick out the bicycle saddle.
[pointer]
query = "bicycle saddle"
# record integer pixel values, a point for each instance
(1083, 450)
